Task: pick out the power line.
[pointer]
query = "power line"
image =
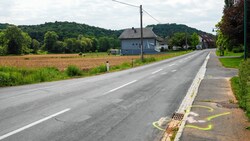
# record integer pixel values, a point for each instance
(151, 16)
(126, 4)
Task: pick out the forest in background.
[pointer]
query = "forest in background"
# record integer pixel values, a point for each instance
(70, 37)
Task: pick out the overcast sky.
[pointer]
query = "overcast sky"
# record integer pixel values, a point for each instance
(200, 14)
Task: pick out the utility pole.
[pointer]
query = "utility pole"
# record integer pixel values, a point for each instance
(245, 31)
(186, 39)
(141, 12)
(142, 52)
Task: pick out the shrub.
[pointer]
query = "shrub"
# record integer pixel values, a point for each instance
(99, 69)
(238, 49)
(73, 71)
(241, 86)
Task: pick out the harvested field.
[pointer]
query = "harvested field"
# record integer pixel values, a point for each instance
(62, 61)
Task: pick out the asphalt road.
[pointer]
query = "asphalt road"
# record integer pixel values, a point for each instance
(118, 106)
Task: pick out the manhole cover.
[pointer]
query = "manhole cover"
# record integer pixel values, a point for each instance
(178, 116)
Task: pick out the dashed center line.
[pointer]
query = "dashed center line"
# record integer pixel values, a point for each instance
(32, 124)
(171, 65)
(121, 87)
(157, 71)
(173, 70)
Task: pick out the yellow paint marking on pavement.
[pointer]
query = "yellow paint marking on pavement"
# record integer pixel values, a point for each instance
(218, 115)
(199, 106)
(200, 128)
(155, 124)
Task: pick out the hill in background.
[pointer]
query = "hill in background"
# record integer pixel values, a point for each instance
(72, 30)
(165, 30)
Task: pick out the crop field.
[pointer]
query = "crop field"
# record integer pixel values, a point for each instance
(62, 61)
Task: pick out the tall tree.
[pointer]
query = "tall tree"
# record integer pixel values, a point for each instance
(50, 40)
(179, 39)
(231, 25)
(14, 40)
(194, 39)
(3, 48)
(35, 45)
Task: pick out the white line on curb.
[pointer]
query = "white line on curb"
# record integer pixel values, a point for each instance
(32, 124)
(189, 98)
(157, 71)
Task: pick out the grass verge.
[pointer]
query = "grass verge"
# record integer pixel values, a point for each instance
(228, 53)
(231, 62)
(241, 87)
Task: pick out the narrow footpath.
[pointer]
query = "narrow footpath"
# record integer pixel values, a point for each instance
(214, 115)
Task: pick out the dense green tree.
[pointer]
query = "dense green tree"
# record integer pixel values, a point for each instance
(3, 48)
(50, 39)
(179, 39)
(14, 40)
(35, 46)
(104, 44)
(60, 46)
(26, 43)
(232, 23)
(194, 39)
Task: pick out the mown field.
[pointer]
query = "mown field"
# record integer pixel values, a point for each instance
(62, 61)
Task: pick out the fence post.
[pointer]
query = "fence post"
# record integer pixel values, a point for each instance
(107, 65)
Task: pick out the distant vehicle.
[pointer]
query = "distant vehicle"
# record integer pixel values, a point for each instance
(176, 48)
(199, 47)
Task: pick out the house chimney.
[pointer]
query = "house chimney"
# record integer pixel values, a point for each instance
(134, 29)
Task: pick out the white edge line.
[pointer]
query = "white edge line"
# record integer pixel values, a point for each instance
(188, 100)
(157, 71)
(32, 124)
(120, 87)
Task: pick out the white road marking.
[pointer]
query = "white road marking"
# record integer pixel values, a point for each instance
(32, 124)
(157, 71)
(171, 65)
(120, 87)
(164, 73)
(173, 70)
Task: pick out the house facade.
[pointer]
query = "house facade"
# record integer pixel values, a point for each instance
(206, 41)
(131, 41)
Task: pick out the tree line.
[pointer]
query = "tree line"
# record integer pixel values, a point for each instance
(13, 40)
(231, 27)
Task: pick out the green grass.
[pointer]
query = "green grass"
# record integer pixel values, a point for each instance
(231, 62)
(227, 53)
(11, 76)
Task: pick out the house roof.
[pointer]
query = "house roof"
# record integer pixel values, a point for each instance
(135, 33)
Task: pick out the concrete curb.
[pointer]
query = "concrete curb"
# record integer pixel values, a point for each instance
(189, 98)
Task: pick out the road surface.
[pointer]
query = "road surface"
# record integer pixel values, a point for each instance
(118, 106)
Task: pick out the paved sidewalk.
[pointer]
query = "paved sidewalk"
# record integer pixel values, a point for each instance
(214, 115)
